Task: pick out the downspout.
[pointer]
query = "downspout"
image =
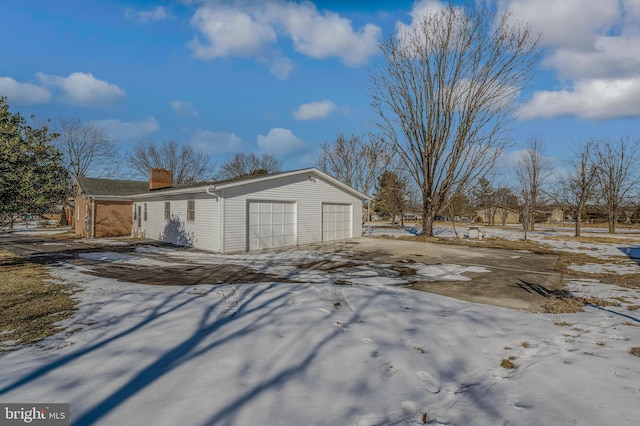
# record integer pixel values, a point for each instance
(211, 191)
(221, 207)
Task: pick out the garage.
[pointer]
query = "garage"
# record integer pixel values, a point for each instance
(336, 221)
(271, 224)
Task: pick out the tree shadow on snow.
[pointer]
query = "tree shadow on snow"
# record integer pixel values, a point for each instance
(217, 327)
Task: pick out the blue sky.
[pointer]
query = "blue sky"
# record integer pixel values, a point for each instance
(283, 77)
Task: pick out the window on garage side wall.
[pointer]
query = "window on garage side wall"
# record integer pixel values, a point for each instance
(167, 210)
(144, 216)
(191, 210)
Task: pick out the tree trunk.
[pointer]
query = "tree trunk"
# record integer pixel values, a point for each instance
(578, 224)
(427, 217)
(612, 222)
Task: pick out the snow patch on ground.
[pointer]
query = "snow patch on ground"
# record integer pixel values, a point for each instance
(325, 354)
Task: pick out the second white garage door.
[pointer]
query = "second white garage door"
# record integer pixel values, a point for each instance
(336, 221)
(271, 224)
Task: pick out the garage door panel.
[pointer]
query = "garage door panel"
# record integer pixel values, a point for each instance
(336, 221)
(271, 224)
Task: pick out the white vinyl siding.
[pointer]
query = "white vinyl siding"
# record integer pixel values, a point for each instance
(288, 210)
(271, 224)
(336, 221)
(309, 193)
(204, 233)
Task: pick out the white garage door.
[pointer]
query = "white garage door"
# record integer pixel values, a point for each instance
(271, 224)
(336, 221)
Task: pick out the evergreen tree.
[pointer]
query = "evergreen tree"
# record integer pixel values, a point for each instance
(32, 177)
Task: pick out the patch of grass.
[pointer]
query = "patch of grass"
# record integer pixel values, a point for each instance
(635, 351)
(568, 304)
(29, 304)
(524, 344)
(633, 324)
(506, 363)
(561, 323)
(600, 343)
(633, 307)
(507, 348)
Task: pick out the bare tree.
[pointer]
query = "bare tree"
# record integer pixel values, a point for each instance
(355, 161)
(617, 174)
(446, 93)
(576, 187)
(249, 165)
(532, 171)
(86, 148)
(187, 163)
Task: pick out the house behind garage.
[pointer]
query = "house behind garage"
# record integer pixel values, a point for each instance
(102, 207)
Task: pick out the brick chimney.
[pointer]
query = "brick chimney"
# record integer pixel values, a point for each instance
(160, 179)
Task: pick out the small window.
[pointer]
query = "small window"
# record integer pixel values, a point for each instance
(135, 215)
(167, 210)
(144, 216)
(191, 210)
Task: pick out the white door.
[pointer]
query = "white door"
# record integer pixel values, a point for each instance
(336, 221)
(271, 224)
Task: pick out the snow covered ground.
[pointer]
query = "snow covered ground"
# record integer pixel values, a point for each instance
(317, 353)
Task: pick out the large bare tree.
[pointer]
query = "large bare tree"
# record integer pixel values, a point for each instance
(86, 148)
(241, 165)
(355, 161)
(617, 174)
(446, 92)
(532, 171)
(576, 187)
(187, 163)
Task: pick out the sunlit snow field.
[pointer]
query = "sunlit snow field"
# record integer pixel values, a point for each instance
(318, 353)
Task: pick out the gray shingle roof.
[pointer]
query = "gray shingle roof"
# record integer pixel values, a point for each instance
(111, 187)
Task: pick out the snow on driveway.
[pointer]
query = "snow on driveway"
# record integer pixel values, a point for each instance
(325, 354)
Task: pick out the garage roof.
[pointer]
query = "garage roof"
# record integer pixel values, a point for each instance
(312, 172)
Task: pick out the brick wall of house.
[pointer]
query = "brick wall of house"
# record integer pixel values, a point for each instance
(113, 218)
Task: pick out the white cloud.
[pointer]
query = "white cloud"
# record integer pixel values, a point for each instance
(216, 142)
(250, 29)
(418, 11)
(280, 142)
(23, 93)
(566, 23)
(129, 130)
(327, 34)
(159, 13)
(83, 89)
(229, 32)
(183, 108)
(596, 99)
(314, 110)
(610, 57)
(595, 52)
